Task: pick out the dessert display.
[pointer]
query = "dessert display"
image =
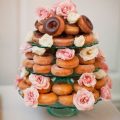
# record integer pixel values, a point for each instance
(63, 68)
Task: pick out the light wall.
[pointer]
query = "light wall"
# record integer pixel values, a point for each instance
(17, 18)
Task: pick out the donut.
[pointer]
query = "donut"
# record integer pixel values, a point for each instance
(102, 65)
(42, 69)
(84, 69)
(62, 89)
(63, 41)
(44, 91)
(66, 100)
(96, 94)
(43, 60)
(28, 63)
(88, 62)
(47, 99)
(27, 81)
(77, 87)
(22, 85)
(68, 63)
(29, 55)
(54, 26)
(61, 72)
(39, 26)
(36, 36)
(85, 24)
(89, 38)
(71, 29)
(100, 83)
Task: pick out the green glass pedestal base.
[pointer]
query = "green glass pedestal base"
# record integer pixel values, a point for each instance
(66, 112)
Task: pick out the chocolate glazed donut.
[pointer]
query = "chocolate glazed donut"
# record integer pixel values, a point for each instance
(54, 26)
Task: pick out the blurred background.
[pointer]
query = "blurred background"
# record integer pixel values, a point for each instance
(17, 17)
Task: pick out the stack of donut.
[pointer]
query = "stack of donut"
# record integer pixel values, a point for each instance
(63, 49)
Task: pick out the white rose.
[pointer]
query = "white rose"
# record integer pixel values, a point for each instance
(79, 41)
(89, 53)
(73, 17)
(24, 73)
(29, 37)
(46, 40)
(100, 74)
(38, 51)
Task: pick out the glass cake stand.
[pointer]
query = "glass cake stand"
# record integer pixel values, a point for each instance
(57, 109)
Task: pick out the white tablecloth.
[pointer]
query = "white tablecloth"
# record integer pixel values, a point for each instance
(12, 108)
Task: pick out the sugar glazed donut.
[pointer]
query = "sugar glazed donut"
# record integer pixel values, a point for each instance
(29, 55)
(84, 69)
(28, 63)
(63, 41)
(71, 29)
(54, 25)
(85, 24)
(47, 99)
(43, 60)
(62, 89)
(42, 69)
(68, 63)
(61, 72)
(66, 100)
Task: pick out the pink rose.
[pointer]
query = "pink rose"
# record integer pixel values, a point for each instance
(31, 97)
(87, 79)
(39, 82)
(42, 13)
(63, 8)
(65, 54)
(105, 93)
(109, 82)
(26, 47)
(83, 100)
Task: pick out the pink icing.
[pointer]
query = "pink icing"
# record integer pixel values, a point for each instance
(39, 82)
(63, 8)
(87, 79)
(26, 47)
(31, 97)
(83, 100)
(65, 54)
(105, 93)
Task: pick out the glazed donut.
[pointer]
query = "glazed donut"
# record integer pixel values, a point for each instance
(102, 65)
(61, 72)
(39, 26)
(36, 36)
(71, 29)
(63, 41)
(100, 83)
(29, 55)
(68, 63)
(96, 94)
(44, 91)
(85, 24)
(28, 63)
(54, 26)
(89, 62)
(27, 81)
(84, 69)
(62, 89)
(47, 99)
(77, 87)
(43, 60)
(22, 85)
(66, 100)
(89, 38)
(42, 69)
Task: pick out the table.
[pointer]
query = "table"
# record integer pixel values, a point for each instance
(12, 108)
